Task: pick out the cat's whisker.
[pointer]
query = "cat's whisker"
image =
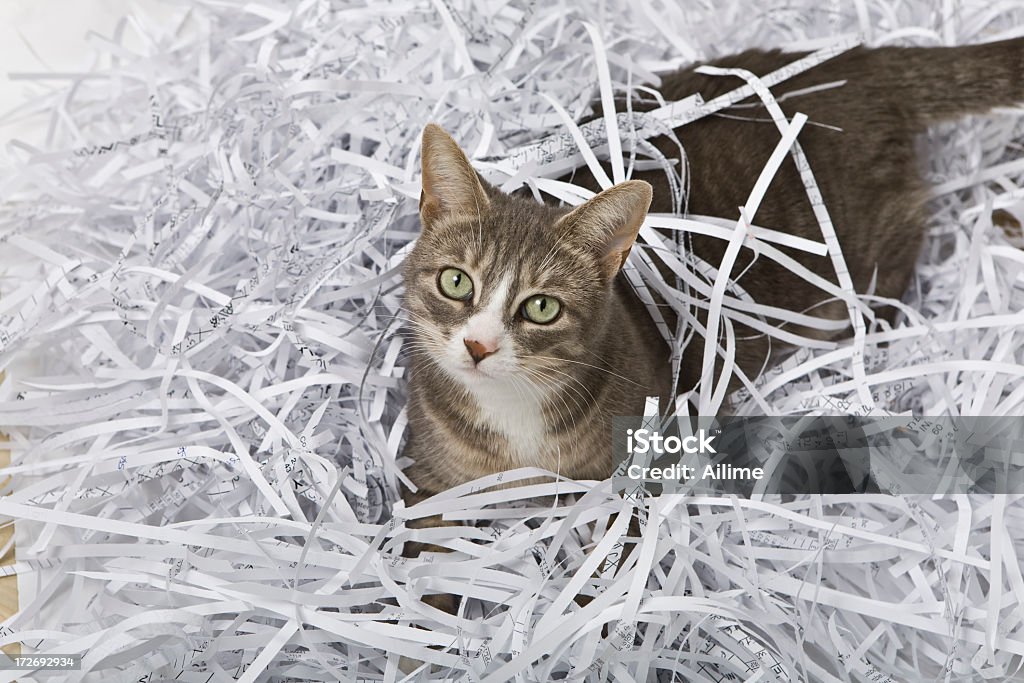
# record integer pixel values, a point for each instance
(515, 381)
(548, 383)
(424, 327)
(421, 342)
(550, 390)
(425, 330)
(410, 350)
(598, 358)
(589, 365)
(556, 386)
(424, 339)
(420, 346)
(535, 391)
(570, 377)
(571, 414)
(404, 314)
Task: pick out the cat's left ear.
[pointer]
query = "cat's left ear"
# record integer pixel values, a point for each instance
(609, 222)
(450, 183)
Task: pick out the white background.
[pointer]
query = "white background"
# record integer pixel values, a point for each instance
(51, 35)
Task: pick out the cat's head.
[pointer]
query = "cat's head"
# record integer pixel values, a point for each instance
(500, 286)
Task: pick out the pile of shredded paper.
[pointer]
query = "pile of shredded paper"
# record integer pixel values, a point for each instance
(204, 357)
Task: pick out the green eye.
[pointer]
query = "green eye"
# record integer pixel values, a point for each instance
(455, 284)
(541, 309)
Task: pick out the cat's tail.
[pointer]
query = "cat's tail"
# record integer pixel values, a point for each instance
(941, 83)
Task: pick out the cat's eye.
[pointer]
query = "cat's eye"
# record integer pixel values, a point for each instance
(455, 284)
(541, 309)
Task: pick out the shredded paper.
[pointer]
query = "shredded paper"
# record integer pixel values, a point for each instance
(205, 361)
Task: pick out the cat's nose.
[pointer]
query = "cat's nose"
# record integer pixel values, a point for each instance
(477, 350)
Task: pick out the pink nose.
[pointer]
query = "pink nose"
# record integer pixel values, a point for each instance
(477, 350)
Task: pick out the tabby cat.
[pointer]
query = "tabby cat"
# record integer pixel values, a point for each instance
(526, 337)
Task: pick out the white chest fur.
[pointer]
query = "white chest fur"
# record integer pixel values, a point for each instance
(515, 412)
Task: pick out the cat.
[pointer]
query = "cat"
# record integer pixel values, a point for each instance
(526, 338)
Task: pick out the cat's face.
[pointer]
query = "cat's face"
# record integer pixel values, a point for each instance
(498, 296)
(504, 289)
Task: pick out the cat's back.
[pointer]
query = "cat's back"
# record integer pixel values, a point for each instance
(860, 144)
(866, 108)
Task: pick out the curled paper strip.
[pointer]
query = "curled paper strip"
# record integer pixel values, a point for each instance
(205, 363)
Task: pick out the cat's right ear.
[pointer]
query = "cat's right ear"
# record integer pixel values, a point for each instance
(608, 222)
(450, 184)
